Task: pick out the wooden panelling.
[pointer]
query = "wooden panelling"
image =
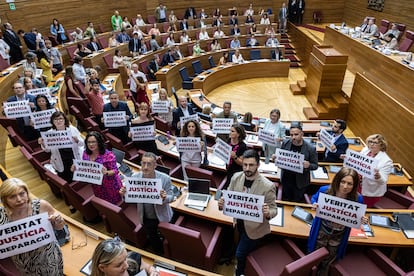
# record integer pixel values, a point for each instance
(401, 11)
(372, 110)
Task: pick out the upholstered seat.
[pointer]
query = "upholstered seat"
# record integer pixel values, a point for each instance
(187, 81)
(395, 200)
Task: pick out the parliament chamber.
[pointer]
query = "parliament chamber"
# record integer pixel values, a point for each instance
(376, 90)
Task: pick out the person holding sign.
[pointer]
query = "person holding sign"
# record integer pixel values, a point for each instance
(115, 105)
(111, 184)
(295, 183)
(250, 181)
(17, 205)
(41, 104)
(183, 110)
(192, 158)
(339, 142)
(163, 96)
(238, 147)
(149, 215)
(372, 189)
(273, 125)
(226, 113)
(328, 234)
(144, 119)
(62, 159)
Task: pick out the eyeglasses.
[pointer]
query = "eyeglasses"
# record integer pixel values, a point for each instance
(82, 243)
(111, 244)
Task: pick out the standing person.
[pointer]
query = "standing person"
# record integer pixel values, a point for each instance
(111, 183)
(62, 159)
(283, 14)
(117, 261)
(301, 11)
(4, 49)
(192, 129)
(168, 117)
(94, 93)
(54, 55)
(115, 105)
(18, 204)
(295, 184)
(13, 40)
(226, 113)
(79, 71)
(116, 21)
(340, 144)
(373, 189)
(144, 119)
(153, 67)
(57, 30)
(273, 124)
(46, 65)
(238, 147)
(183, 110)
(252, 182)
(150, 215)
(71, 90)
(293, 11)
(161, 13)
(133, 74)
(134, 45)
(330, 235)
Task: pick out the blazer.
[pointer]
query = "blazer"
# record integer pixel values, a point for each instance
(90, 46)
(261, 186)
(341, 146)
(164, 212)
(131, 45)
(178, 113)
(183, 25)
(309, 151)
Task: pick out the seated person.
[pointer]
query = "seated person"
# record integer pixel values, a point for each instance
(172, 27)
(215, 45)
(233, 20)
(81, 50)
(125, 23)
(252, 41)
(184, 24)
(90, 31)
(237, 57)
(177, 53)
(77, 34)
(391, 42)
(393, 30)
(249, 19)
(123, 37)
(154, 30)
(197, 49)
(218, 33)
(184, 38)
(371, 29)
(170, 40)
(203, 35)
(112, 41)
(118, 59)
(265, 19)
(272, 41)
(93, 45)
(154, 44)
(167, 58)
(235, 30)
(235, 43)
(139, 21)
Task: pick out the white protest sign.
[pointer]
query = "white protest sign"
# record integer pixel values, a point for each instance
(222, 125)
(160, 106)
(41, 119)
(115, 119)
(25, 235)
(267, 137)
(243, 206)
(363, 164)
(143, 190)
(326, 138)
(289, 160)
(188, 144)
(183, 120)
(88, 171)
(57, 139)
(341, 211)
(142, 133)
(17, 109)
(222, 150)
(41, 91)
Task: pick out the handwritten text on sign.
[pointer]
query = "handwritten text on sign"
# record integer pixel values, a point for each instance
(341, 211)
(222, 150)
(188, 144)
(143, 190)
(25, 235)
(88, 171)
(363, 164)
(160, 106)
(326, 138)
(243, 206)
(57, 139)
(222, 125)
(42, 118)
(17, 109)
(143, 133)
(267, 137)
(289, 160)
(115, 119)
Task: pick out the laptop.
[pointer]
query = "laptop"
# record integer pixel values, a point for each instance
(198, 193)
(122, 167)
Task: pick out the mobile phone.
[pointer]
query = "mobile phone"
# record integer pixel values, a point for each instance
(366, 228)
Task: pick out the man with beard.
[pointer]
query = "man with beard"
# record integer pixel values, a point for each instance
(340, 144)
(250, 181)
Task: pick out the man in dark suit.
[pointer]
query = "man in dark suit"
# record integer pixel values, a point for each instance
(113, 106)
(13, 40)
(23, 124)
(167, 58)
(184, 24)
(134, 45)
(340, 143)
(30, 40)
(295, 184)
(93, 44)
(190, 13)
(233, 20)
(153, 67)
(184, 109)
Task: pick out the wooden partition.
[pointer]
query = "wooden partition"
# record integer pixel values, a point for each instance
(372, 110)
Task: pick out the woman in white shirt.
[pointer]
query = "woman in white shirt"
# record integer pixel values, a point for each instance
(237, 57)
(118, 59)
(170, 40)
(265, 19)
(125, 23)
(112, 42)
(184, 38)
(4, 51)
(203, 35)
(218, 33)
(215, 45)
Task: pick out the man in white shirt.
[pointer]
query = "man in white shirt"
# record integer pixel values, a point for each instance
(235, 43)
(134, 74)
(139, 21)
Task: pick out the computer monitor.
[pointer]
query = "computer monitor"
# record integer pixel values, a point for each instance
(119, 155)
(199, 186)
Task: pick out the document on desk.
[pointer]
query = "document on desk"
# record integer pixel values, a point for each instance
(320, 173)
(278, 220)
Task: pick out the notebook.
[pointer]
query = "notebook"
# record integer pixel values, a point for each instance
(122, 167)
(198, 192)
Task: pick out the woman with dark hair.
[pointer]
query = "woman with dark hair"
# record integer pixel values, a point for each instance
(46, 65)
(81, 50)
(248, 122)
(57, 30)
(62, 159)
(96, 151)
(328, 234)
(118, 59)
(192, 129)
(71, 90)
(42, 103)
(224, 59)
(238, 147)
(144, 119)
(142, 96)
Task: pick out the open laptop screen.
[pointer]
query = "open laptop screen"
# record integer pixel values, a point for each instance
(199, 186)
(119, 155)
